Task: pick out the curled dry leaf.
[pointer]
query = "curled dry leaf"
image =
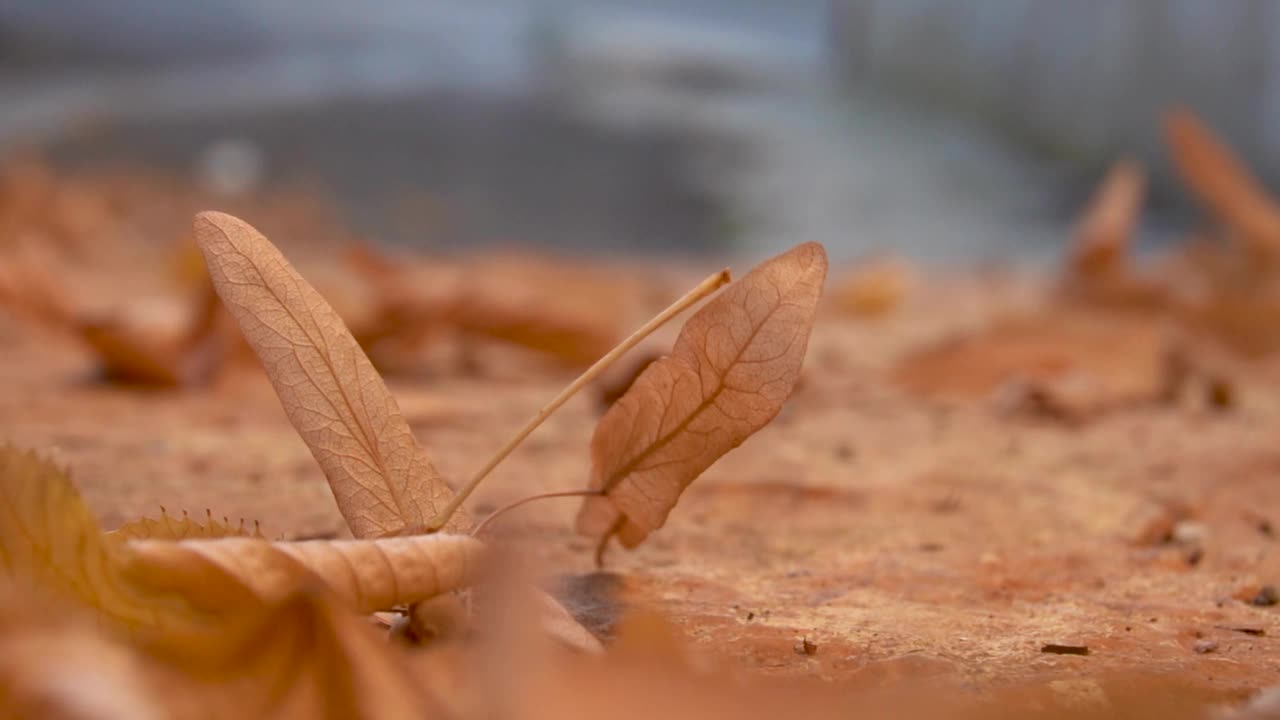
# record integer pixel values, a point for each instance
(369, 575)
(734, 364)
(1223, 182)
(183, 528)
(305, 657)
(176, 591)
(1102, 238)
(49, 541)
(382, 479)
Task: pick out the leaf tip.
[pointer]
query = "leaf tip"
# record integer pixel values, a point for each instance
(813, 252)
(214, 218)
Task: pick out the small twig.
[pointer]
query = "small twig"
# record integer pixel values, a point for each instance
(705, 288)
(545, 496)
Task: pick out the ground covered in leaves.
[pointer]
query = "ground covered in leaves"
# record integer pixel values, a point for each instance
(984, 479)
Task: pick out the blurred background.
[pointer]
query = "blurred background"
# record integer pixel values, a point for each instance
(939, 130)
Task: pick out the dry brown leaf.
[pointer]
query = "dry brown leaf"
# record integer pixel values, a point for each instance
(1079, 362)
(1223, 182)
(30, 289)
(382, 480)
(239, 626)
(128, 358)
(46, 653)
(1107, 227)
(403, 318)
(874, 289)
(573, 314)
(734, 364)
(309, 658)
(49, 541)
(30, 285)
(183, 528)
(369, 575)
(300, 658)
(175, 591)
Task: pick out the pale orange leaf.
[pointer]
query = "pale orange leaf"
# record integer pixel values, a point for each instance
(734, 364)
(1223, 182)
(382, 480)
(1107, 227)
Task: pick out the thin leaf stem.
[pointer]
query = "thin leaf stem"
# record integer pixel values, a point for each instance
(544, 496)
(705, 288)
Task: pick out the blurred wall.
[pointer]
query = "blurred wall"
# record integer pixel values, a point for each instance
(1086, 79)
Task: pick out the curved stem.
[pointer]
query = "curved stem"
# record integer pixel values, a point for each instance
(545, 496)
(704, 288)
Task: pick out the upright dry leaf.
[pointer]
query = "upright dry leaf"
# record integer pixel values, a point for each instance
(1223, 182)
(1102, 238)
(734, 364)
(382, 480)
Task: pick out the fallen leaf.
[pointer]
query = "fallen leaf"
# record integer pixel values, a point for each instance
(1108, 225)
(28, 286)
(734, 364)
(236, 626)
(381, 478)
(175, 590)
(128, 358)
(50, 542)
(1223, 182)
(369, 575)
(1082, 364)
(306, 657)
(47, 652)
(874, 289)
(573, 313)
(616, 382)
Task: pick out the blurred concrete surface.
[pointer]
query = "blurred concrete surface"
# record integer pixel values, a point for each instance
(666, 125)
